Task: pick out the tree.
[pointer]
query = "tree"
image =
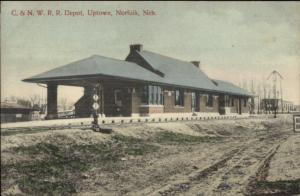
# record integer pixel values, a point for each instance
(23, 102)
(245, 85)
(63, 103)
(35, 99)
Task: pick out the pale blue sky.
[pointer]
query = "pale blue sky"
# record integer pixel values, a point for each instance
(234, 41)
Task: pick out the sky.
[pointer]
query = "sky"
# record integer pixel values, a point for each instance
(235, 41)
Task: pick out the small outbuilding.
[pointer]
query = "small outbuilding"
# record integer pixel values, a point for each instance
(13, 112)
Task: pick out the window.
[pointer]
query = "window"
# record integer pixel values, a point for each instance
(226, 101)
(232, 101)
(159, 95)
(245, 102)
(179, 97)
(194, 101)
(155, 95)
(144, 95)
(152, 95)
(118, 97)
(209, 101)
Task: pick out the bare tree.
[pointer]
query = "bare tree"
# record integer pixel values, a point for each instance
(265, 90)
(259, 96)
(245, 85)
(63, 103)
(12, 98)
(71, 105)
(35, 100)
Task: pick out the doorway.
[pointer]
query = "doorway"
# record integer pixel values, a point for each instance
(117, 101)
(222, 105)
(240, 106)
(195, 101)
(117, 107)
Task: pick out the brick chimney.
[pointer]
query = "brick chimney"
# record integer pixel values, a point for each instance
(136, 47)
(196, 63)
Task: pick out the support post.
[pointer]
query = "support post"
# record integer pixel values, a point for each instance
(51, 101)
(101, 102)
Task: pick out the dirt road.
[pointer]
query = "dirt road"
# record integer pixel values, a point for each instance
(217, 157)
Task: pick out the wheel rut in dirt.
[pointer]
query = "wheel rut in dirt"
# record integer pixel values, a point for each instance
(259, 186)
(229, 174)
(181, 187)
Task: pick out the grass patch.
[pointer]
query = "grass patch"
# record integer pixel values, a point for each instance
(288, 187)
(61, 166)
(9, 132)
(135, 146)
(179, 138)
(37, 186)
(223, 132)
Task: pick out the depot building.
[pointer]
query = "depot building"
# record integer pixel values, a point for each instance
(144, 84)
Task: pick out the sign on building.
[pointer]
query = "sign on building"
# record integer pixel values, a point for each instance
(95, 97)
(297, 123)
(95, 106)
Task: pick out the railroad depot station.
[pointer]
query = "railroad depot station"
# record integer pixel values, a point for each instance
(144, 84)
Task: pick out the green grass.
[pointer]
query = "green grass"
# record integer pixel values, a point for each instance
(59, 167)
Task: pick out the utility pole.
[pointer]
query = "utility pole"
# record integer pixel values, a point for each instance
(274, 74)
(299, 90)
(265, 96)
(281, 96)
(252, 98)
(259, 97)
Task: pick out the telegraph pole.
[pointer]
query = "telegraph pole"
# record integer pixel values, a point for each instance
(281, 97)
(252, 98)
(299, 90)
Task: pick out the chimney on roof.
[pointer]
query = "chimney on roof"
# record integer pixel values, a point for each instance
(196, 63)
(136, 47)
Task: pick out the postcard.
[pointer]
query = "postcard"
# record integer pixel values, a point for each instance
(150, 98)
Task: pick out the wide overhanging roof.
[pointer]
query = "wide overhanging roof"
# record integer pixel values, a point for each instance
(176, 73)
(93, 66)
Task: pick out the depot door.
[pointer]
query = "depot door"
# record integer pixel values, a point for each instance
(240, 107)
(194, 102)
(121, 102)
